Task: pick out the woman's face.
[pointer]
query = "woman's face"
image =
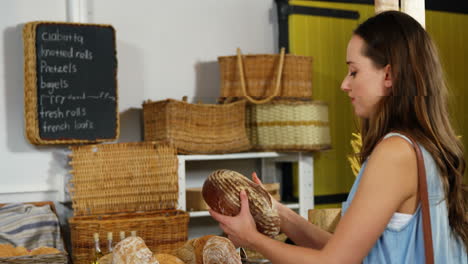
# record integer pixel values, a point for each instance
(364, 83)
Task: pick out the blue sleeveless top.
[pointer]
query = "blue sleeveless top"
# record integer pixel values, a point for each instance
(406, 244)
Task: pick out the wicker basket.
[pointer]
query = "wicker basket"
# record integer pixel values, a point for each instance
(286, 125)
(197, 128)
(261, 73)
(123, 177)
(162, 231)
(125, 187)
(59, 258)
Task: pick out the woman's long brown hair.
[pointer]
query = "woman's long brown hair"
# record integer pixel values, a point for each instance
(417, 104)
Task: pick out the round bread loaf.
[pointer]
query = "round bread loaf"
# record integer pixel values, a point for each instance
(220, 250)
(221, 192)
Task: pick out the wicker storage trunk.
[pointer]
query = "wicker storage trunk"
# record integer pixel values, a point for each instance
(287, 125)
(125, 187)
(162, 231)
(197, 128)
(260, 73)
(59, 258)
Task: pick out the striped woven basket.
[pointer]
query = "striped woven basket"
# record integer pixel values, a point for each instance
(287, 125)
(125, 187)
(197, 128)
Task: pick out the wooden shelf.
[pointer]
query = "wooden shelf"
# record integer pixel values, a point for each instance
(304, 160)
(231, 156)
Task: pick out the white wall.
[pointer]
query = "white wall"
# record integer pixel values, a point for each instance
(27, 172)
(165, 49)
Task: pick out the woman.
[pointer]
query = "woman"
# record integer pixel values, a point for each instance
(395, 83)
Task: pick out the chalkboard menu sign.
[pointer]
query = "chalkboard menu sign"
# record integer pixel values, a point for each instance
(70, 83)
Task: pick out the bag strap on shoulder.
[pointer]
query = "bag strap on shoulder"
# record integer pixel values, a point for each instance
(424, 197)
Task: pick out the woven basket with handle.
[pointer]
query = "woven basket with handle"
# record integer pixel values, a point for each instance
(261, 72)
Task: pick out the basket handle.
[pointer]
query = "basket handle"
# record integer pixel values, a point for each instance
(242, 78)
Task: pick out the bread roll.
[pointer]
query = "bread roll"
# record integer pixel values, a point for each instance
(22, 251)
(221, 192)
(220, 250)
(44, 251)
(7, 250)
(133, 250)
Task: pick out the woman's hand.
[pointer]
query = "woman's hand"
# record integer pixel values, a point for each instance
(241, 229)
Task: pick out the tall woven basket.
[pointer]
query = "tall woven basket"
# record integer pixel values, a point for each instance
(261, 73)
(287, 125)
(125, 187)
(197, 128)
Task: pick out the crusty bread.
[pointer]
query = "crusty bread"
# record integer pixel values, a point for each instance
(192, 251)
(199, 245)
(7, 250)
(133, 250)
(187, 252)
(220, 250)
(221, 192)
(209, 249)
(167, 259)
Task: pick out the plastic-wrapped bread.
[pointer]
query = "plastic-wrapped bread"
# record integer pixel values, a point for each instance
(133, 250)
(220, 250)
(221, 192)
(168, 259)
